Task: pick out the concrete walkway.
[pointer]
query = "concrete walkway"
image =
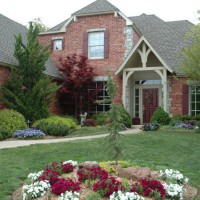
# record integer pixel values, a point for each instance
(19, 143)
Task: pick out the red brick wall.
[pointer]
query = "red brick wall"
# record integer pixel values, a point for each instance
(4, 74)
(74, 40)
(176, 96)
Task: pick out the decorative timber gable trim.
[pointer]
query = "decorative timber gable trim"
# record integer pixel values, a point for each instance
(144, 55)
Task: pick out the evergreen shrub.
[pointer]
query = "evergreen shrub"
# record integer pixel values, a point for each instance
(161, 117)
(55, 125)
(10, 121)
(125, 117)
(101, 117)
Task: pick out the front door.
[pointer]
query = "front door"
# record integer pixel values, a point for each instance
(150, 103)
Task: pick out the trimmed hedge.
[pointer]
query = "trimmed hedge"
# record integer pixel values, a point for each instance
(55, 125)
(10, 121)
(161, 117)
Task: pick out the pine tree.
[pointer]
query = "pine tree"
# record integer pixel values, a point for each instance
(115, 123)
(29, 91)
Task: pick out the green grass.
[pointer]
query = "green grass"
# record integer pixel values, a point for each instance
(158, 150)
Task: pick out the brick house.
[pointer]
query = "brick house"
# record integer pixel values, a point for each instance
(141, 53)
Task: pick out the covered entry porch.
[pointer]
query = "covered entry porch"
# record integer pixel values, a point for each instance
(144, 87)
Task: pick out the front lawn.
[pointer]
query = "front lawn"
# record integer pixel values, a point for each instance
(158, 150)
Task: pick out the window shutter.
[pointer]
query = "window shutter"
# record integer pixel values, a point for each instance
(63, 44)
(52, 44)
(185, 98)
(106, 44)
(85, 44)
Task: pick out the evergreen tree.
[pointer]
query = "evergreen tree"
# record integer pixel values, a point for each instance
(29, 91)
(115, 123)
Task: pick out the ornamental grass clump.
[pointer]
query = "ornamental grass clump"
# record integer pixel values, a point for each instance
(30, 133)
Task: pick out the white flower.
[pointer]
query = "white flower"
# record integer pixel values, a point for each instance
(69, 195)
(125, 196)
(35, 190)
(74, 163)
(174, 175)
(173, 191)
(34, 176)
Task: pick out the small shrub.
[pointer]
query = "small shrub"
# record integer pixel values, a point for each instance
(55, 125)
(101, 117)
(150, 127)
(161, 117)
(28, 133)
(11, 121)
(125, 117)
(90, 122)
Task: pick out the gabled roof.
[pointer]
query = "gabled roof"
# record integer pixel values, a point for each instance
(167, 40)
(99, 6)
(10, 29)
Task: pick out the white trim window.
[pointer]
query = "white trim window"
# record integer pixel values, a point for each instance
(57, 44)
(96, 45)
(194, 100)
(101, 95)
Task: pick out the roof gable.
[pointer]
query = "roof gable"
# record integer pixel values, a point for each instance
(163, 37)
(99, 6)
(134, 52)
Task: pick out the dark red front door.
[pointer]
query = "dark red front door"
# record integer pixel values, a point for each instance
(150, 103)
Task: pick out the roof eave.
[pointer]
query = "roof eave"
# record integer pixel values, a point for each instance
(61, 30)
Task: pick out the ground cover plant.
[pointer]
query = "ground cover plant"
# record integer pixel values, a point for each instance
(158, 150)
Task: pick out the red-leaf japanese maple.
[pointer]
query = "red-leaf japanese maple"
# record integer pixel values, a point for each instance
(78, 76)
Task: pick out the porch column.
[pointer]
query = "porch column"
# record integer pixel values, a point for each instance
(124, 89)
(164, 84)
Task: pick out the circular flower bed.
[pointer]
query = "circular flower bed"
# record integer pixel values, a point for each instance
(70, 181)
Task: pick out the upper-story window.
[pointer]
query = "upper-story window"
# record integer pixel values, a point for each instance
(57, 44)
(96, 45)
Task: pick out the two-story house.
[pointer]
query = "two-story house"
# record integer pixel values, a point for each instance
(141, 53)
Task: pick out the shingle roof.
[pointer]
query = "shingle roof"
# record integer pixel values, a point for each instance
(99, 6)
(164, 37)
(9, 29)
(57, 27)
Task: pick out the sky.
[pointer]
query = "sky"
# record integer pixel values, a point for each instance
(53, 12)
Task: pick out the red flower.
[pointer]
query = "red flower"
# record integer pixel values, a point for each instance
(92, 173)
(63, 185)
(105, 187)
(148, 188)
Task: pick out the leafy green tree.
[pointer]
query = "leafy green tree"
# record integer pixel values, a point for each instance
(41, 26)
(115, 122)
(29, 91)
(190, 63)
